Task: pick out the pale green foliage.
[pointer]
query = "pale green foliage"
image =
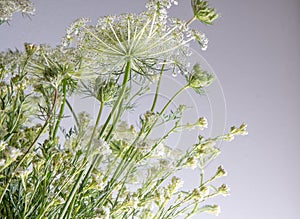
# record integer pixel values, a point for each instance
(107, 168)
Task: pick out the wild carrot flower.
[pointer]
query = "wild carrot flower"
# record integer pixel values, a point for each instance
(9, 7)
(148, 40)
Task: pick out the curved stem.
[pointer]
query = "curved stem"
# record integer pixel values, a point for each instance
(164, 109)
(62, 109)
(73, 113)
(95, 127)
(81, 175)
(157, 88)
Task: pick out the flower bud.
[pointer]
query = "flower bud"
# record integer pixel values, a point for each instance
(224, 190)
(203, 12)
(199, 78)
(220, 172)
(30, 48)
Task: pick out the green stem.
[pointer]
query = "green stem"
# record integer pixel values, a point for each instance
(31, 146)
(191, 21)
(82, 175)
(95, 128)
(120, 98)
(157, 88)
(62, 109)
(164, 109)
(115, 121)
(73, 113)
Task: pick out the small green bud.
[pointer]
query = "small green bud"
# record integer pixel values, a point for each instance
(30, 48)
(196, 194)
(223, 190)
(212, 209)
(204, 190)
(242, 130)
(202, 122)
(220, 172)
(191, 162)
(106, 90)
(199, 78)
(203, 12)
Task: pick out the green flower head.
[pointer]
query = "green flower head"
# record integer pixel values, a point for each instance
(199, 78)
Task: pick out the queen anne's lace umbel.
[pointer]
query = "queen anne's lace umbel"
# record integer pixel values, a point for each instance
(148, 40)
(9, 7)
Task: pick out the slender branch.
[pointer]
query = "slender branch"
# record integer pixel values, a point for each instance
(157, 88)
(73, 113)
(164, 109)
(31, 146)
(190, 21)
(120, 98)
(85, 174)
(62, 109)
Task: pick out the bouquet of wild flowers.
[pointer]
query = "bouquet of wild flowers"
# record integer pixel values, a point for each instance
(108, 168)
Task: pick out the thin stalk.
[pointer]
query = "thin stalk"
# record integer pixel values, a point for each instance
(120, 98)
(164, 109)
(95, 127)
(82, 175)
(191, 21)
(73, 113)
(31, 146)
(157, 88)
(115, 121)
(62, 109)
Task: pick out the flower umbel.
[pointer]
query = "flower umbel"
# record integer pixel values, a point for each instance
(9, 7)
(145, 39)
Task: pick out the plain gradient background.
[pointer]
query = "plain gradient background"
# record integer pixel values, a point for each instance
(255, 52)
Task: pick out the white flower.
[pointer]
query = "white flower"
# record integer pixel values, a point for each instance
(13, 153)
(146, 40)
(9, 7)
(176, 184)
(102, 147)
(202, 39)
(3, 145)
(2, 162)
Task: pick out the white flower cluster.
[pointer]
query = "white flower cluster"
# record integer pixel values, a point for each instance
(9, 7)
(161, 7)
(202, 39)
(147, 40)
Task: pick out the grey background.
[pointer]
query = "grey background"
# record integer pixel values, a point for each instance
(255, 52)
